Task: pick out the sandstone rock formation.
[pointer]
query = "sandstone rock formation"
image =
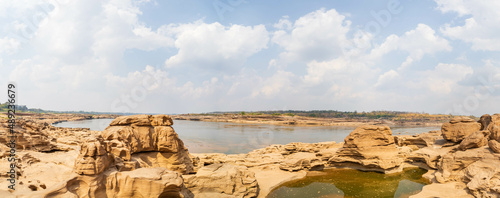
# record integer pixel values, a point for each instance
(143, 182)
(459, 128)
(494, 127)
(301, 161)
(136, 156)
(134, 142)
(370, 146)
(474, 140)
(494, 146)
(223, 180)
(93, 158)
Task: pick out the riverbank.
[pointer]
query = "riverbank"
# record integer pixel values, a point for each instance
(288, 120)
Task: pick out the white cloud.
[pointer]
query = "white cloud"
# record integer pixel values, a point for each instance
(444, 78)
(417, 43)
(387, 77)
(214, 46)
(280, 82)
(481, 25)
(9, 45)
(319, 35)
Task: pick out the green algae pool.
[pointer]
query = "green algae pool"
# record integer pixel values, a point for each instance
(348, 183)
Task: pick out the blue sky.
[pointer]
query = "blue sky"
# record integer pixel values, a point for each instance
(149, 56)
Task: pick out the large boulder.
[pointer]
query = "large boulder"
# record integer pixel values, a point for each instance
(222, 180)
(485, 120)
(458, 128)
(494, 146)
(475, 140)
(137, 141)
(494, 127)
(370, 146)
(93, 158)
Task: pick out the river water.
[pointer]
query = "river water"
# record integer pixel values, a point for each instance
(233, 138)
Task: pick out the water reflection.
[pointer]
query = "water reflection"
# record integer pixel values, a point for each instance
(353, 183)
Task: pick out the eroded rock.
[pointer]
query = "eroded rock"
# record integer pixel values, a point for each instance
(370, 146)
(301, 161)
(136, 141)
(458, 128)
(223, 180)
(475, 140)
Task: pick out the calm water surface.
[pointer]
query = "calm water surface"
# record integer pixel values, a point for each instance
(230, 138)
(353, 183)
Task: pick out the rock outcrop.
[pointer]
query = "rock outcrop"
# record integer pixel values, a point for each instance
(136, 156)
(494, 146)
(370, 146)
(474, 140)
(458, 128)
(143, 182)
(134, 142)
(223, 180)
(494, 127)
(301, 161)
(93, 158)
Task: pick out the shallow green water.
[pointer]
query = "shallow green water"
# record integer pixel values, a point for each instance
(353, 183)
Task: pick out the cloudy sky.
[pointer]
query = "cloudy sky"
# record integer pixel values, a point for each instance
(186, 56)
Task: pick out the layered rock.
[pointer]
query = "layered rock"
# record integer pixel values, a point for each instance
(475, 140)
(494, 127)
(223, 180)
(134, 142)
(494, 146)
(458, 128)
(420, 140)
(370, 146)
(146, 182)
(301, 161)
(143, 182)
(93, 158)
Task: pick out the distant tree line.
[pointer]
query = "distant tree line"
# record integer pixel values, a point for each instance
(25, 109)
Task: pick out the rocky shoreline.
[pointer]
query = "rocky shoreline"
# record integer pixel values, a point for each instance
(287, 120)
(142, 156)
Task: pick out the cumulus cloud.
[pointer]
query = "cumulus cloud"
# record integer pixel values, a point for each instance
(319, 35)
(214, 46)
(9, 45)
(417, 43)
(480, 26)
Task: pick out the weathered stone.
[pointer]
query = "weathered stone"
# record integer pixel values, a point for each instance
(370, 146)
(223, 180)
(494, 127)
(93, 158)
(494, 146)
(146, 182)
(301, 161)
(143, 120)
(475, 140)
(148, 138)
(485, 120)
(459, 128)
(484, 178)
